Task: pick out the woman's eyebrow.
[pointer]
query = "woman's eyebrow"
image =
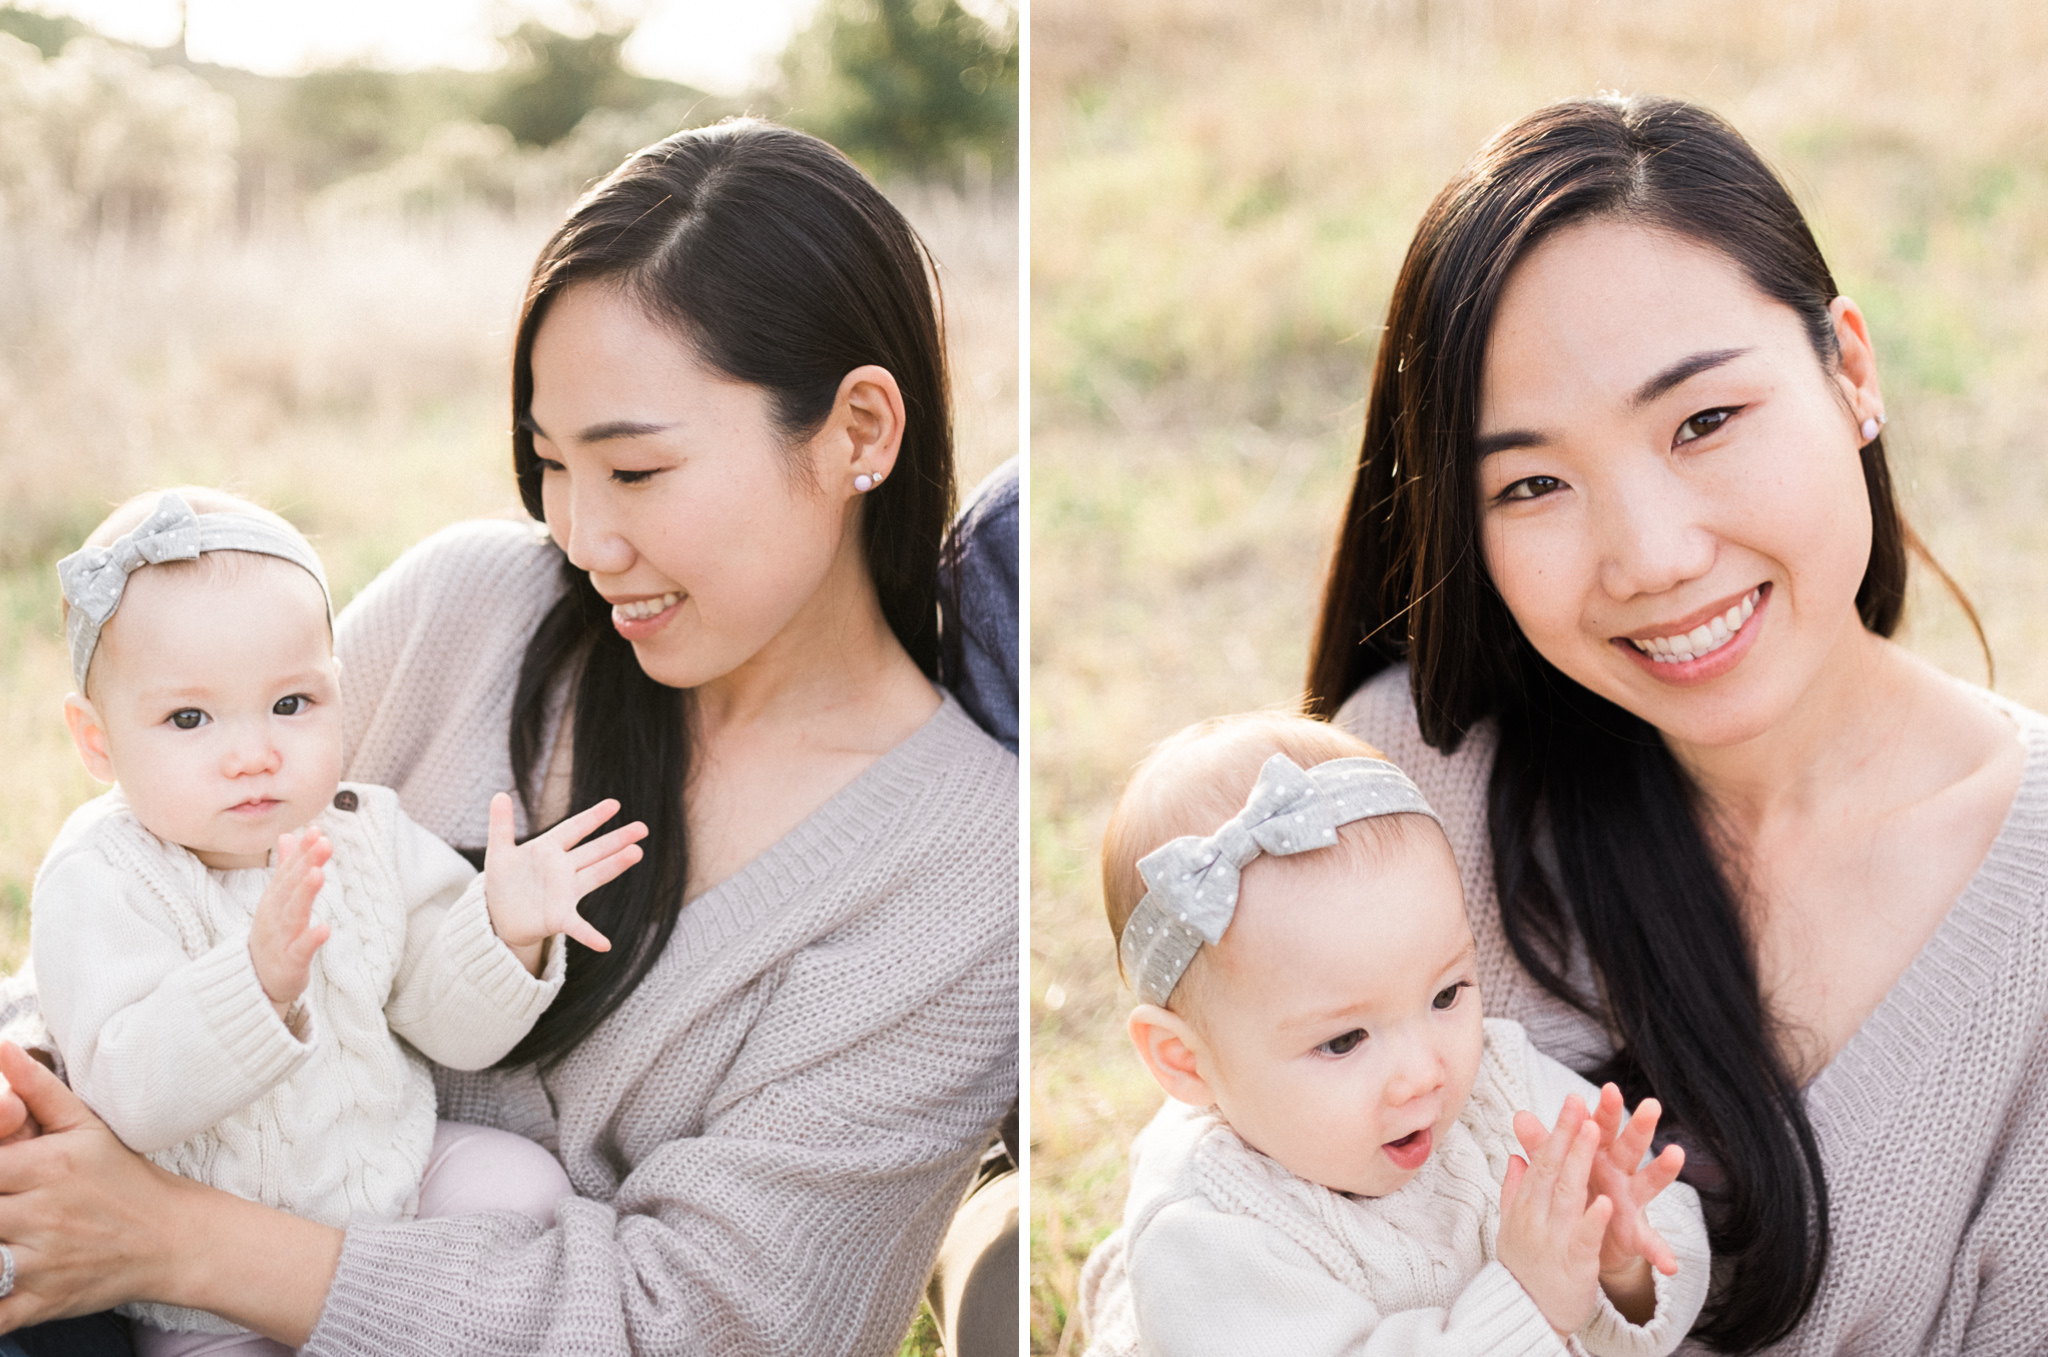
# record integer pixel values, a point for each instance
(1685, 369)
(599, 433)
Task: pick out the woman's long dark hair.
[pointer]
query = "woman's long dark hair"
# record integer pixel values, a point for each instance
(1638, 880)
(782, 266)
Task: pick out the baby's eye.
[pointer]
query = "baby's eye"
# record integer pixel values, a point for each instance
(1702, 424)
(290, 706)
(1448, 995)
(1532, 487)
(1343, 1045)
(188, 718)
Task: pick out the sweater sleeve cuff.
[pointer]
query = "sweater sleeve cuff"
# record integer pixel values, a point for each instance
(395, 1291)
(472, 999)
(1500, 1317)
(488, 966)
(232, 1003)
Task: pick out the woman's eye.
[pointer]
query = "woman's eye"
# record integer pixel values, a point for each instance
(188, 718)
(1343, 1045)
(290, 706)
(1532, 487)
(548, 463)
(633, 477)
(1448, 995)
(1702, 424)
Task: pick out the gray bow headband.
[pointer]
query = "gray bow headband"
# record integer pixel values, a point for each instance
(94, 577)
(1192, 882)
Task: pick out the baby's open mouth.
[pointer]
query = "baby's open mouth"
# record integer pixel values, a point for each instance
(1410, 1150)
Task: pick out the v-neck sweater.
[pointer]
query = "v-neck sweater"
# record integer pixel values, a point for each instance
(1932, 1120)
(769, 1136)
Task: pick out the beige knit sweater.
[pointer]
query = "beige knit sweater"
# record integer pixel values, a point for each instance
(1932, 1121)
(142, 955)
(1223, 1251)
(769, 1137)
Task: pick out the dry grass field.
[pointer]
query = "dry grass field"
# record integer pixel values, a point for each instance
(353, 377)
(1222, 191)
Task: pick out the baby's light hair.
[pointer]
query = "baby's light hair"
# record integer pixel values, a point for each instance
(1199, 777)
(217, 565)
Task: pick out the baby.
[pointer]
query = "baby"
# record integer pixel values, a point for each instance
(237, 1021)
(1338, 1171)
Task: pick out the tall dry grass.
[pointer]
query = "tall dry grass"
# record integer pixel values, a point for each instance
(352, 376)
(1222, 193)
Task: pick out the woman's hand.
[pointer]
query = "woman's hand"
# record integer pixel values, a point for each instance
(78, 1208)
(93, 1224)
(531, 888)
(1549, 1235)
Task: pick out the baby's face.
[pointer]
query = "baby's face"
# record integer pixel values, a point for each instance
(1341, 1015)
(221, 706)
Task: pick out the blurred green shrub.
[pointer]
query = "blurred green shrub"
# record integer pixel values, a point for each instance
(96, 139)
(908, 87)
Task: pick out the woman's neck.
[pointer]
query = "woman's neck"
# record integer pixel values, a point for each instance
(835, 666)
(1834, 738)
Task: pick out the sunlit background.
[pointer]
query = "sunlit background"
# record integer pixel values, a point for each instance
(280, 247)
(1222, 191)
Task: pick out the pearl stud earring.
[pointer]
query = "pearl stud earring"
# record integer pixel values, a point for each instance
(1871, 426)
(865, 482)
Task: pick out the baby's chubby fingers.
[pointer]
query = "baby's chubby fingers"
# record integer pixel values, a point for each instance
(1633, 1142)
(1577, 1169)
(572, 830)
(1608, 1113)
(598, 849)
(579, 928)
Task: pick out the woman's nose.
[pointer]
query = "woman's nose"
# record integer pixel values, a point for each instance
(591, 537)
(1651, 528)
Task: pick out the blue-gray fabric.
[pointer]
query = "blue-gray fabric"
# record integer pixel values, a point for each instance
(981, 566)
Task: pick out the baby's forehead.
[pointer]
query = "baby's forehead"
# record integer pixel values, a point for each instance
(249, 589)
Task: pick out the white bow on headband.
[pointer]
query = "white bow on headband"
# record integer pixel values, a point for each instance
(94, 578)
(1192, 882)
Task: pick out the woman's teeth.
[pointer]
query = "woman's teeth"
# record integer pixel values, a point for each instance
(647, 607)
(1704, 639)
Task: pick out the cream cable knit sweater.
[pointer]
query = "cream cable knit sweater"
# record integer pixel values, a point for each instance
(770, 1135)
(1933, 1120)
(149, 993)
(1223, 1251)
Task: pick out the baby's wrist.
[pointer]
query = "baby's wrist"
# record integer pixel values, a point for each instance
(1632, 1290)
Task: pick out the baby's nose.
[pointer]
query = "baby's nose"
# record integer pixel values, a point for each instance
(249, 753)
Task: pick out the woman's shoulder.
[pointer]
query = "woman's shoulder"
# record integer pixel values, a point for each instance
(967, 781)
(1382, 713)
(484, 568)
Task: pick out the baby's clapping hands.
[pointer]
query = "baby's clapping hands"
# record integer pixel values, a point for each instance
(1572, 1216)
(532, 888)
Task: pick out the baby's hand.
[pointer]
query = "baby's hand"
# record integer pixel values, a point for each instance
(1549, 1234)
(283, 936)
(532, 888)
(1631, 1246)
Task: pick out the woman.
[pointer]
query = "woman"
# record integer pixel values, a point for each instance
(730, 414)
(1614, 585)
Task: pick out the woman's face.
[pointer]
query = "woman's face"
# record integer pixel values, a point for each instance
(1671, 498)
(714, 540)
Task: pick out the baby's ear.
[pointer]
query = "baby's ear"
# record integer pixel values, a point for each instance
(89, 737)
(1173, 1052)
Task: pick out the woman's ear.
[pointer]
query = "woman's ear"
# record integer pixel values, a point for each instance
(89, 736)
(868, 413)
(1856, 373)
(1173, 1051)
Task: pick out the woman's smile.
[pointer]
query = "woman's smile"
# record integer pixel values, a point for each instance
(1694, 651)
(638, 619)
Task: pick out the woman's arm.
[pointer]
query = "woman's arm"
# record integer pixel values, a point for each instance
(799, 1213)
(93, 1224)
